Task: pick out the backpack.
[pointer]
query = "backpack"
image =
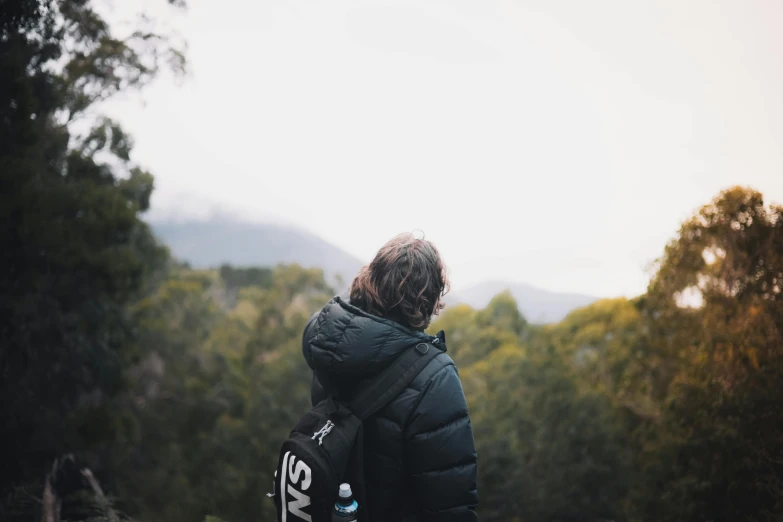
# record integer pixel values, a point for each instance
(325, 448)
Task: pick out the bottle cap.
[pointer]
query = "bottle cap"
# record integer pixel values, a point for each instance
(345, 491)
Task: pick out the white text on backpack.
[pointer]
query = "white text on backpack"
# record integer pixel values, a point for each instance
(294, 470)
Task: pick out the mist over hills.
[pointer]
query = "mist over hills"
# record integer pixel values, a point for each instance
(209, 243)
(537, 305)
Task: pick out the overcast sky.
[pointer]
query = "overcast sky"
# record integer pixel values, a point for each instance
(558, 143)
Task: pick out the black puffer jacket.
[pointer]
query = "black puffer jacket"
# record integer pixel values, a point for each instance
(420, 456)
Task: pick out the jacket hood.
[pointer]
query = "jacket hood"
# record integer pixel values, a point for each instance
(345, 342)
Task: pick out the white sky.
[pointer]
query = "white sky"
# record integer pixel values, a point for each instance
(558, 143)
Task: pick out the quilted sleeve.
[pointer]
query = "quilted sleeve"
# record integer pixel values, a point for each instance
(440, 453)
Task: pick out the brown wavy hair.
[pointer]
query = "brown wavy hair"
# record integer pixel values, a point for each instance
(404, 282)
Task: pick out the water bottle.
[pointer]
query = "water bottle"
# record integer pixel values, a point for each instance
(346, 507)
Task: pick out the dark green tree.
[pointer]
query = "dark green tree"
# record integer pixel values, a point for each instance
(74, 248)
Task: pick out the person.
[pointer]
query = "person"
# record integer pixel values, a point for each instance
(419, 452)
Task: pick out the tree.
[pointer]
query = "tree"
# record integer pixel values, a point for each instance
(716, 454)
(472, 335)
(75, 250)
(547, 451)
(207, 404)
(607, 348)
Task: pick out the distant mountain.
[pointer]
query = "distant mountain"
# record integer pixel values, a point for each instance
(218, 240)
(211, 243)
(537, 305)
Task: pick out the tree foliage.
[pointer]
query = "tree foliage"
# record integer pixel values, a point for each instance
(720, 430)
(664, 407)
(75, 249)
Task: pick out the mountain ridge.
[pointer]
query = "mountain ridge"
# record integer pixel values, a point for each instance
(225, 239)
(209, 243)
(538, 305)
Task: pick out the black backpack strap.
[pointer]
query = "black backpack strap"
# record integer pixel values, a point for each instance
(393, 380)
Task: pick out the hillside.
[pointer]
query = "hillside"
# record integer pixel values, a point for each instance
(537, 305)
(213, 242)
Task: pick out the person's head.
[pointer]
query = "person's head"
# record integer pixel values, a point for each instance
(405, 282)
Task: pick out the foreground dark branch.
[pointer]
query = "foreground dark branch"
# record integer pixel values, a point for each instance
(51, 500)
(65, 479)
